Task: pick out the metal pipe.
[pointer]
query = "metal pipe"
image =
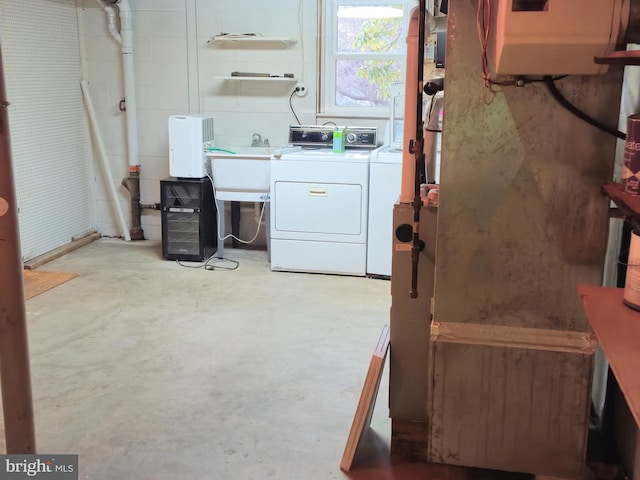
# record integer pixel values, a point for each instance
(132, 183)
(151, 206)
(418, 22)
(15, 373)
(125, 38)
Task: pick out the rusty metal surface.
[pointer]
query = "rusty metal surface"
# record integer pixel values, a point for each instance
(522, 219)
(510, 409)
(521, 222)
(632, 35)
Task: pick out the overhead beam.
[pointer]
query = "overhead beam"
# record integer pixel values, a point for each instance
(15, 376)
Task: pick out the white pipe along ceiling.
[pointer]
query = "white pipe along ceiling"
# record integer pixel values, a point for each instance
(124, 36)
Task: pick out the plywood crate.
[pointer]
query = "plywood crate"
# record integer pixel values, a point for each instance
(410, 319)
(510, 398)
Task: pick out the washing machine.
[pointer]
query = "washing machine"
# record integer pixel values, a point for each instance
(385, 172)
(319, 202)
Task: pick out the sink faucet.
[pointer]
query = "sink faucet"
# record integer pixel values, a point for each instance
(257, 141)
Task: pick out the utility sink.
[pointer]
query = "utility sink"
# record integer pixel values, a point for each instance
(247, 170)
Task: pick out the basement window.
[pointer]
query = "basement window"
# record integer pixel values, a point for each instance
(530, 6)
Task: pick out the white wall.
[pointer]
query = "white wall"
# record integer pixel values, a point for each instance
(49, 138)
(175, 70)
(162, 89)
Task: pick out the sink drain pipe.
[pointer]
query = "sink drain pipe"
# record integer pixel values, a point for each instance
(124, 36)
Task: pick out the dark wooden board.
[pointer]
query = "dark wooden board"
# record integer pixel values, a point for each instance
(628, 204)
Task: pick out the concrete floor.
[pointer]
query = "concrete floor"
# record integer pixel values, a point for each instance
(150, 370)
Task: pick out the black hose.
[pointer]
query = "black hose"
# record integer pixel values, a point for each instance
(418, 150)
(553, 89)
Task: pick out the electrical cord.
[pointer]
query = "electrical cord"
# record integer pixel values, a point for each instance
(557, 95)
(291, 105)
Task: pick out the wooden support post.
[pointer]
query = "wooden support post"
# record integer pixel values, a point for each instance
(367, 401)
(15, 377)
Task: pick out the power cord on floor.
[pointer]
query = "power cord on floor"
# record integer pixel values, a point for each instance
(291, 105)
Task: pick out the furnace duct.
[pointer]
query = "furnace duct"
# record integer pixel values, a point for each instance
(124, 36)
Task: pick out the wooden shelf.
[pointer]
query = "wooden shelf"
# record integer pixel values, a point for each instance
(618, 330)
(250, 42)
(257, 79)
(620, 57)
(628, 204)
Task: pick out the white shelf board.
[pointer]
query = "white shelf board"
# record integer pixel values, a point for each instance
(250, 41)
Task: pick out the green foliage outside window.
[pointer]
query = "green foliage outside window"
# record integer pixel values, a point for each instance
(381, 35)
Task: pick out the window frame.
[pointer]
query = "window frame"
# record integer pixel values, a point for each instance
(329, 56)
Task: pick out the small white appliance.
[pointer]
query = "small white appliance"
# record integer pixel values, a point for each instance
(319, 203)
(189, 138)
(385, 174)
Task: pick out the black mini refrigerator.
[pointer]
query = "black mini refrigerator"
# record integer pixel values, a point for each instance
(189, 224)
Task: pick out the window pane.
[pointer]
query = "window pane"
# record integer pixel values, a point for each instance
(365, 83)
(376, 28)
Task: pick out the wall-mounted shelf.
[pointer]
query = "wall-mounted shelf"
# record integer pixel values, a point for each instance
(250, 42)
(257, 79)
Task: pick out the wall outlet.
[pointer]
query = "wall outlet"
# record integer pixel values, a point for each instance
(301, 89)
